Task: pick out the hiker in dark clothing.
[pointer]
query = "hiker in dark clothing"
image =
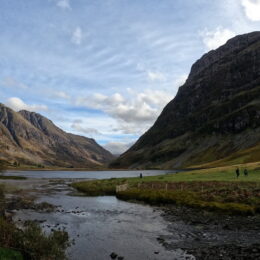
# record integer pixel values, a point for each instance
(245, 172)
(237, 172)
(141, 175)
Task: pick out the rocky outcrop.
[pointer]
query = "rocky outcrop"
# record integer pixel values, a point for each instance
(215, 114)
(29, 138)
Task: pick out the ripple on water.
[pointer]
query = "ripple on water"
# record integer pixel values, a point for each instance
(102, 225)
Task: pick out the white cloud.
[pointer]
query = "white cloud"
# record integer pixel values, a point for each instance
(61, 94)
(77, 125)
(13, 83)
(64, 4)
(181, 80)
(76, 37)
(156, 76)
(216, 38)
(117, 148)
(134, 113)
(252, 9)
(18, 104)
(152, 75)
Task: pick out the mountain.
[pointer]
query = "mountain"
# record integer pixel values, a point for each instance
(30, 138)
(214, 118)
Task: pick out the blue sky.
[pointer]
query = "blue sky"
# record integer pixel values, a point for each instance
(106, 68)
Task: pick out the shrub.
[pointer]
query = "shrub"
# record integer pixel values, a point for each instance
(32, 242)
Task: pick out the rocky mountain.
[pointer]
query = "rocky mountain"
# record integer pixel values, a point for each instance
(215, 116)
(30, 138)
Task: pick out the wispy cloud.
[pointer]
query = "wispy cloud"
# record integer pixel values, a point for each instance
(61, 94)
(13, 83)
(77, 126)
(156, 76)
(76, 37)
(179, 81)
(106, 47)
(64, 4)
(214, 39)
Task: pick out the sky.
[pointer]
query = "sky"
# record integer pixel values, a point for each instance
(105, 69)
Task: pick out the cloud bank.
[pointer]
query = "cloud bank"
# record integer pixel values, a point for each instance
(18, 104)
(213, 39)
(252, 9)
(134, 113)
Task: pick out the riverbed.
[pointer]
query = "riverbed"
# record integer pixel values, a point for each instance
(98, 226)
(103, 225)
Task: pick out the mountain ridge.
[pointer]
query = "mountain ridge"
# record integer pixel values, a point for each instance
(30, 138)
(216, 108)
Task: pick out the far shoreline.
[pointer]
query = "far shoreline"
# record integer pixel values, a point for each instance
(90, 170)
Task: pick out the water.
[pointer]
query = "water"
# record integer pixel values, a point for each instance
(99, 225)
(86, 174)
(102, 225)
(105, 225)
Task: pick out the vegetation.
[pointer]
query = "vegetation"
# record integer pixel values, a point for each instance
(200, 199)
(10, 254)
(212, 189)
(3, 168)
(32, 242)
(100, 187)
(4, 177)
(29, 242)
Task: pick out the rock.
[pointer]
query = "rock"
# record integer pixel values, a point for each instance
(113, 255)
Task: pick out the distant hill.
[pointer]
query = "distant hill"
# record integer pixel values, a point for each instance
(30, 138)
(214, 118)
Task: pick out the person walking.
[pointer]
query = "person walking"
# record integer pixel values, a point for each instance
(245, 172)
(237, 172)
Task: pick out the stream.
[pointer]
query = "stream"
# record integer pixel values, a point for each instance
(98, 225)
(103, 225)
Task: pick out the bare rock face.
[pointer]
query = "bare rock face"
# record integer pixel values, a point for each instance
(29, 138)
(215, 114)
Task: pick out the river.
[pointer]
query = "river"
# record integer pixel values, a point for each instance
(99, 225)
(102, 225)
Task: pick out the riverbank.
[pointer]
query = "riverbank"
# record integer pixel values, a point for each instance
(212, 236)
(216, 189)
(98, 226)
(27, 240)
(102, 225)
(4, 177)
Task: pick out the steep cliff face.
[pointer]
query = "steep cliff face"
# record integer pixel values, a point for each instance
(215, 114)
(30, 138)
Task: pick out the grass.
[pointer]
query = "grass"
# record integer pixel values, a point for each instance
(212, 189)
(3, 168)
(6, 254)
(187, 198)
(4, 177)
(29, 242)
(99, 187)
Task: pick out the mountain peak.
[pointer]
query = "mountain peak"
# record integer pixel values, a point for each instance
(211, 116)
(31, 138)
